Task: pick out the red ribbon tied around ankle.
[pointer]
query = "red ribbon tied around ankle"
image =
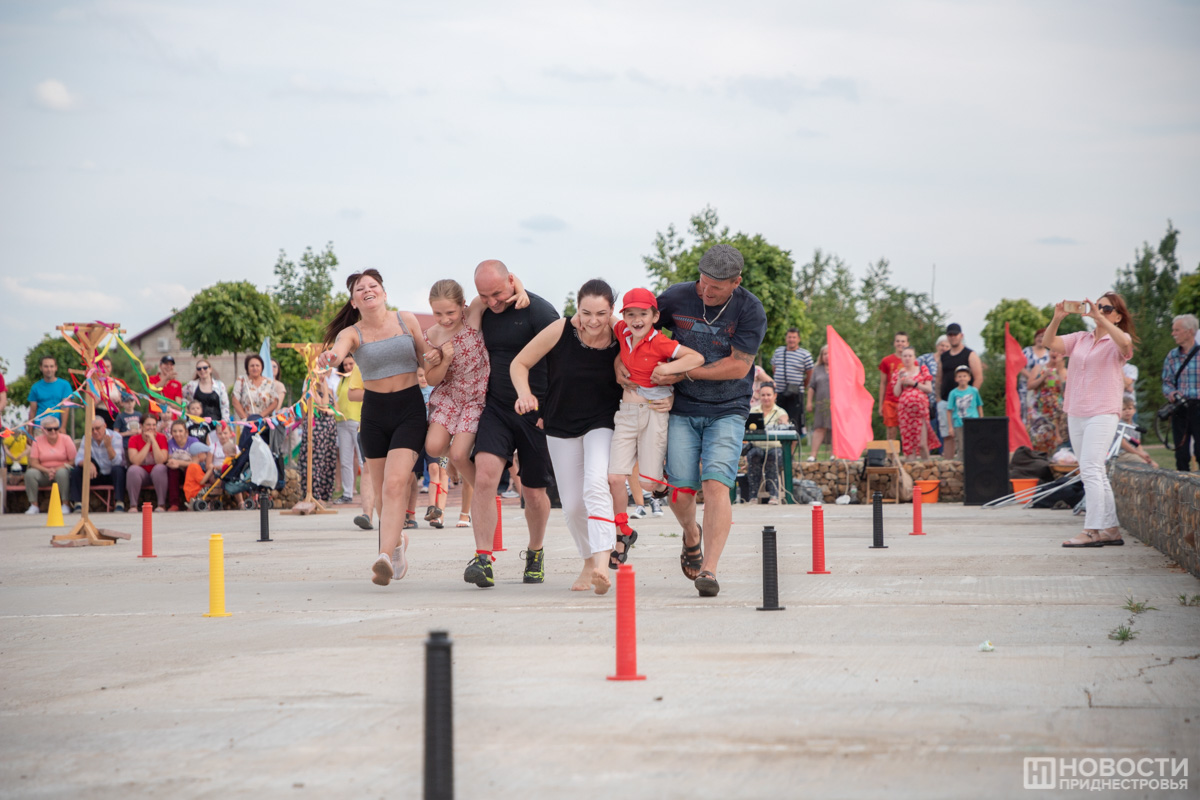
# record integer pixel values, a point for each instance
(675, 489)
(622, 523)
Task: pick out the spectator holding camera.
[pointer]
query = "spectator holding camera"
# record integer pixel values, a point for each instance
(1181, 387)
(1094, 391)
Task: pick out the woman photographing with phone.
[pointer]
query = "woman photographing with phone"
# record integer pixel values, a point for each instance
(1095, 388)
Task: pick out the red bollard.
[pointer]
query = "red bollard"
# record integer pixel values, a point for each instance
(918, 501)
(147, 531)
(818, 528)
(498, 536)
(626, 627)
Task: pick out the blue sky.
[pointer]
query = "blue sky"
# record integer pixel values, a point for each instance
(150, 149)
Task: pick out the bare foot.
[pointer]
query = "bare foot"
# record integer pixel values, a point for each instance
(584, 581)
(600, 581)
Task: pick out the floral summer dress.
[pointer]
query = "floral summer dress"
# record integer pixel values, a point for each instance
(458, 400)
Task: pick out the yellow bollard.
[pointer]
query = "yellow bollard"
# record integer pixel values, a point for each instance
(216, 577)
(54, 518)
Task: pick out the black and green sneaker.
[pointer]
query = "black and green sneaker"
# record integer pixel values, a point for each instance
(535, 566)
(479, 572)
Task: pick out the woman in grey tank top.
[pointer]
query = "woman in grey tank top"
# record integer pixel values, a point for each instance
(393, 410)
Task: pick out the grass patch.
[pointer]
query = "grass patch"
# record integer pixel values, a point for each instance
(1135, 607)
(1122, 634)
(1194, 601)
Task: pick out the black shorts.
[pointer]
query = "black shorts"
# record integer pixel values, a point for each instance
(502, 430)
(392, 421)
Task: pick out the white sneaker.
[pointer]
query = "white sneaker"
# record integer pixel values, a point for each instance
(655, 507)
(510, 494)
(639, 512)
(399, 559)
(66, 509)
(32, 510)
(381, 571)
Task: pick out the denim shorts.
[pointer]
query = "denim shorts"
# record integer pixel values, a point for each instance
(704, 449)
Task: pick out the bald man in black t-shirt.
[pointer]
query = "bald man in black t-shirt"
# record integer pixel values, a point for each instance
(506, 330)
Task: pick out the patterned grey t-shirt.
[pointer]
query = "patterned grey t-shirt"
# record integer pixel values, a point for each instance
(741, 326)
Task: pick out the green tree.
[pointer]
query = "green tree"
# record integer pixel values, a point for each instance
(226, 317)
(1187, 297)
(569, 306)
(1024, 320)
(306, 288)
(768, 274)
(292, 369)
(1149, 286)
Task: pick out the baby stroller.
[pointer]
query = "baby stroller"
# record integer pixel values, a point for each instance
(257, 470)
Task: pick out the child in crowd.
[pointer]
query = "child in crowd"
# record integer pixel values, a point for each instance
(16, 451)
(639, 431)
(1131, 451)
(128, 422)
(196, 426)
(963, 402)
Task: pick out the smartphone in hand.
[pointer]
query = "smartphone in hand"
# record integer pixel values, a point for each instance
(1074, 306)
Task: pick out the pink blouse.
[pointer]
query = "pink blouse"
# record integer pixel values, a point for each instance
(1095, 380)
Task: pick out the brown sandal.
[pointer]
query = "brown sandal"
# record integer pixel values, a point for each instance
(692, 559)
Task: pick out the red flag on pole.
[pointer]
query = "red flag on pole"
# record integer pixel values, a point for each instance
(1014, 362)
(850, 402)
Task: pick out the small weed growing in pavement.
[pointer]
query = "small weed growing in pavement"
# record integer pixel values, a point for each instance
(1123, 634)
(1137, 608)
(1184, 601)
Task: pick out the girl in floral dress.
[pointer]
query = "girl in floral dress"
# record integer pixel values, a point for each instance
(1045, 413)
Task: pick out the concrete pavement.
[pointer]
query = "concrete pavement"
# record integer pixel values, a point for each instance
(870, 684)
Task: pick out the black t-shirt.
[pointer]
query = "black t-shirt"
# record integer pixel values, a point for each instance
(740, 326)
(584, 394)
(946, 374)
(506, 334)
(200, 430)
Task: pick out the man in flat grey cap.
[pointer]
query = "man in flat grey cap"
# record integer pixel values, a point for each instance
(716, 317)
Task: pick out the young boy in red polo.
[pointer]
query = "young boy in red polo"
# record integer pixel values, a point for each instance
(640, 432)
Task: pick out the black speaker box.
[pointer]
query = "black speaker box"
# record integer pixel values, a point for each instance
(985, 460)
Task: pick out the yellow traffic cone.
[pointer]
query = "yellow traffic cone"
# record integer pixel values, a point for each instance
(54, 518)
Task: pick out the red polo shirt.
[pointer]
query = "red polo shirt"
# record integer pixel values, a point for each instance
(641, 358)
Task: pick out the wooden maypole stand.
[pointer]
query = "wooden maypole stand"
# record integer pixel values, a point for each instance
(84, 337)
(309, 505)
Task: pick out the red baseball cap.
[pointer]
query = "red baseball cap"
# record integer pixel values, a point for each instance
(640, 298)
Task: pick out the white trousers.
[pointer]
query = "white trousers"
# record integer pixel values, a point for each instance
(581, 472)
(348, 455)
(1091, 439)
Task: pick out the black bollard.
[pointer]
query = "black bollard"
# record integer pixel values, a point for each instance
(439, 719)
(877, 517)
(264, 523)
(770, 572)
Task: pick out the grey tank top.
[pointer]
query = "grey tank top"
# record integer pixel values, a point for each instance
(386, 357)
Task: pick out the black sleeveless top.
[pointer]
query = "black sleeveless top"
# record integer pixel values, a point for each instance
(210, 402)
(949, 365)
(584, 394)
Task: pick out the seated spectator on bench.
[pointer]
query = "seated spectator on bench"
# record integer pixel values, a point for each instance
(179, 456)
(107, 466)
(129, 422)
(49, 460)
(147, 458)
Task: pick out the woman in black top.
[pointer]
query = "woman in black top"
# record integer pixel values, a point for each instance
(580, 406)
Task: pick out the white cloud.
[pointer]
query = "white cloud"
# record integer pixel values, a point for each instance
(167, 295)
(236, 141)
(53, 95)
(93, 302)
(544, 223)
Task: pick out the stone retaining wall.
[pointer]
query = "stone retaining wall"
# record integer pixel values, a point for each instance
(835, 477)
(1162, 508)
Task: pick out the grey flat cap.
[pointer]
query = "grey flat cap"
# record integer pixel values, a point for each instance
(721, 262)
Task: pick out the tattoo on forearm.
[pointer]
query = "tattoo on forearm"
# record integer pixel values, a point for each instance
(745, 357)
